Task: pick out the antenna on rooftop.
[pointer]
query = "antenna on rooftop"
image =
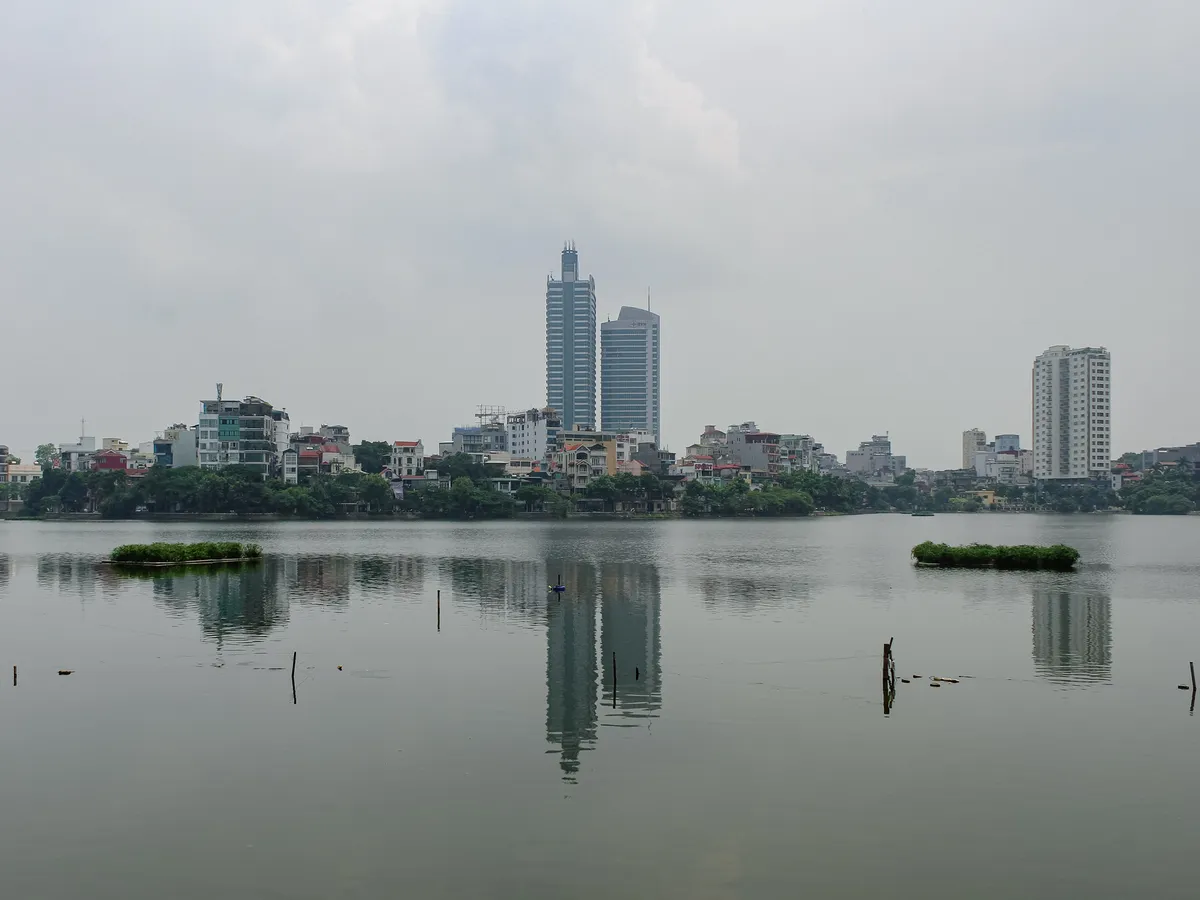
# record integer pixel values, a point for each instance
(220, 387)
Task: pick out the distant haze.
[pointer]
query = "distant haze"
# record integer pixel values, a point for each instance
(853, 217)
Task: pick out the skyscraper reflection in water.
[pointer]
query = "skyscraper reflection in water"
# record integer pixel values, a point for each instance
(629, 598)
(571, 663)
(1072, 636)
(630, 609)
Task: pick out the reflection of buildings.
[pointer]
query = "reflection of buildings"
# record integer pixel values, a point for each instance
(320, 579)
(571, 664)
(630, 605)
(75, 574)
(402, 576)
(1072, 636)
(504, 589)
(630, 599)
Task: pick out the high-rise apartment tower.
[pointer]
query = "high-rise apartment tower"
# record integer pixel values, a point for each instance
(571, 344)
(1071, 413)
(629, 384)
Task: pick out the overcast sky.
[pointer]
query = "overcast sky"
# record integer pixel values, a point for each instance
(855, 217)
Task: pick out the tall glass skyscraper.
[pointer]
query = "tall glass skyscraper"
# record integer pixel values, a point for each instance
(629, 389)
(571, 344)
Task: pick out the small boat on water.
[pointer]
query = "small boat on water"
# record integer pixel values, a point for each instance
(923, 512)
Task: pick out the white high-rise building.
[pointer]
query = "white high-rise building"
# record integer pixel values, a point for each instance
(629, 357)
(1072, 413)
(974, 441)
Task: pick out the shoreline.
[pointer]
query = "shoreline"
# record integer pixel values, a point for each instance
(536, 516)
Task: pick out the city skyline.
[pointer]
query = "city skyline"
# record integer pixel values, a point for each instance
(282, 201)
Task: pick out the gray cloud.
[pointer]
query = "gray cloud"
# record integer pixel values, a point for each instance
(854, 217)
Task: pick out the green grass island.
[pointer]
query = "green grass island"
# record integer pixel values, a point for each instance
(1058, 557)
(203, 553)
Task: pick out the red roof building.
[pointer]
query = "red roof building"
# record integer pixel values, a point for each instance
(109, 461)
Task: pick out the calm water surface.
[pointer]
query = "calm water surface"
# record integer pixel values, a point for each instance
(749, 757)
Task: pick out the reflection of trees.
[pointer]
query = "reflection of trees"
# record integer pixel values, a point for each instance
(236, 603)
(402, 575)
(244, 603)
(4, 570)
(1072, 636)
(745, 593)
(743, 578)
(320, 579)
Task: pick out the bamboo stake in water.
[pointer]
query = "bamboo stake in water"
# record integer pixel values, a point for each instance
(439, 611)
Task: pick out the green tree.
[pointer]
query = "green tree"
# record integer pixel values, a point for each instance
(603, 488)
(73, 495)
(1133, 460)
(46, 455)
(535, 497)
(374, 491)
(372, 456)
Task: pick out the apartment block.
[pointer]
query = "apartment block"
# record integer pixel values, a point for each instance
(238, 432)
(1072, 417)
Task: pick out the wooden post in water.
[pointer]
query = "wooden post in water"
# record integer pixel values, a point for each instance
(1191, 666)
(15, 677)
(889, 677)
(614, 679)
(439, 616)
(293, 677)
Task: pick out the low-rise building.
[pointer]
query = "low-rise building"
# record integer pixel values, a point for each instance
(408, 458)
(579, 464)
(957, 480)
(21, 473)
(176, 447)
(532, 434)
(798, 453)
(1162, 455)
(290, 465)
(109, 461)
(524, 467)
(747, 445)
(727, 472)
(77, 457)
(308, 461)
(875, 458)
(238, 432)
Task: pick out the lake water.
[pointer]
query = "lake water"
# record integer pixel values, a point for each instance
(750, 756)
